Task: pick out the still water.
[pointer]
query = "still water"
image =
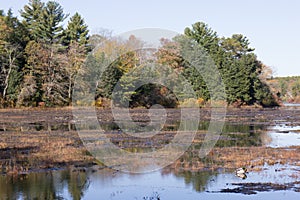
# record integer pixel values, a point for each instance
(64, 184)
(276, 181)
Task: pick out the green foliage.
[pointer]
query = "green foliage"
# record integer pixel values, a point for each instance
(44, 20)
(137, 89)
(50, 68)
(31, 14)
(50, 28)
(296, 88)
(76, 31)
(204, 36)
(40, 60)
(237, 45)
(109, 79)
(19, 34)
(12, 42)
(283, 88)
(237, 64)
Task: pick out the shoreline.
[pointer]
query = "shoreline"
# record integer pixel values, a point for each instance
(47, 137)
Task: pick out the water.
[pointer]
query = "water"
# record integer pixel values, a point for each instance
(291, 104)
(106, 184)
(284, 136)
(168, 183)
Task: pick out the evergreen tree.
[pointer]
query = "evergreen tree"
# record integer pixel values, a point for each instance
(44, 59)
(237, 45)
(238, 65)
(50, 28)
(44, 20)
(19, 34)
(242, 74)
(76, 31)
(32, 17)
(12, 43)
(204, 36)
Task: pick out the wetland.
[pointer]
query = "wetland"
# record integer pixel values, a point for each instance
(43, 157)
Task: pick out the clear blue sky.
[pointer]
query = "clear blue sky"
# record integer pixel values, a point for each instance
(273, 27)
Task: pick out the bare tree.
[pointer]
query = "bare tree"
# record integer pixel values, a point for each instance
(9, 57)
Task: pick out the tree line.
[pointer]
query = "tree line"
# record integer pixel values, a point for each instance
(286, 88)
(40, 59)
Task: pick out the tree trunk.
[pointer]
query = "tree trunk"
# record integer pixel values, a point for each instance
(11, 61)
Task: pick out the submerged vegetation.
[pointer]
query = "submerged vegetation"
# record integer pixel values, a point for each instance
(39, 61)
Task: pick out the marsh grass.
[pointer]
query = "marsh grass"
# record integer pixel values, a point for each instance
(44, 139)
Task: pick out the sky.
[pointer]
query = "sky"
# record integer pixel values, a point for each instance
(272, 27)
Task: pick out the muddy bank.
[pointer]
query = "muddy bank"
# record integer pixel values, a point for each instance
(32, 139)
(18, 117)
(254, 188)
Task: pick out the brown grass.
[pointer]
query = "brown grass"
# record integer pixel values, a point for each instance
(253, 158)
(50, 148)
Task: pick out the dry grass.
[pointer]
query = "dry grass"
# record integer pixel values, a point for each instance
(49, 148)
(43, 149)
(253, 158)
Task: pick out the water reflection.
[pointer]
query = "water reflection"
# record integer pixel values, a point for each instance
(282, 136)
(198, 180)
(190, 177)
(232, 135)
(165, 184)
(44, 185)
(65, 184)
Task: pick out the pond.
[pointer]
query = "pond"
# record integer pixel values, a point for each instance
(284, 136)
(266, 142)
(106, 184)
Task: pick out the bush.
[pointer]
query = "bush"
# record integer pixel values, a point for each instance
(192, 102)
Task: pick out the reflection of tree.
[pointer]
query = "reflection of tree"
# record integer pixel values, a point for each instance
(236, 135)
(32, 186)
(198, 180)
(231, 150)
(242, 135)
(77, 183)
(47, 185)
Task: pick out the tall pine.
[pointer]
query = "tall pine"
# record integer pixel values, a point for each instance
(76, 31)
(50, 28)
(31, 14)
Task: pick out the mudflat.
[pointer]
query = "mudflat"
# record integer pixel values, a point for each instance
(34, 139)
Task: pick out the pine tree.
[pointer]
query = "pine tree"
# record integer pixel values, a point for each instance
(204, 36)
(207, 40)
(76, 31)
(19, 35)
(12, 43)
(238, 65)
(50, 28)
(32, 17)
(44, 20)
